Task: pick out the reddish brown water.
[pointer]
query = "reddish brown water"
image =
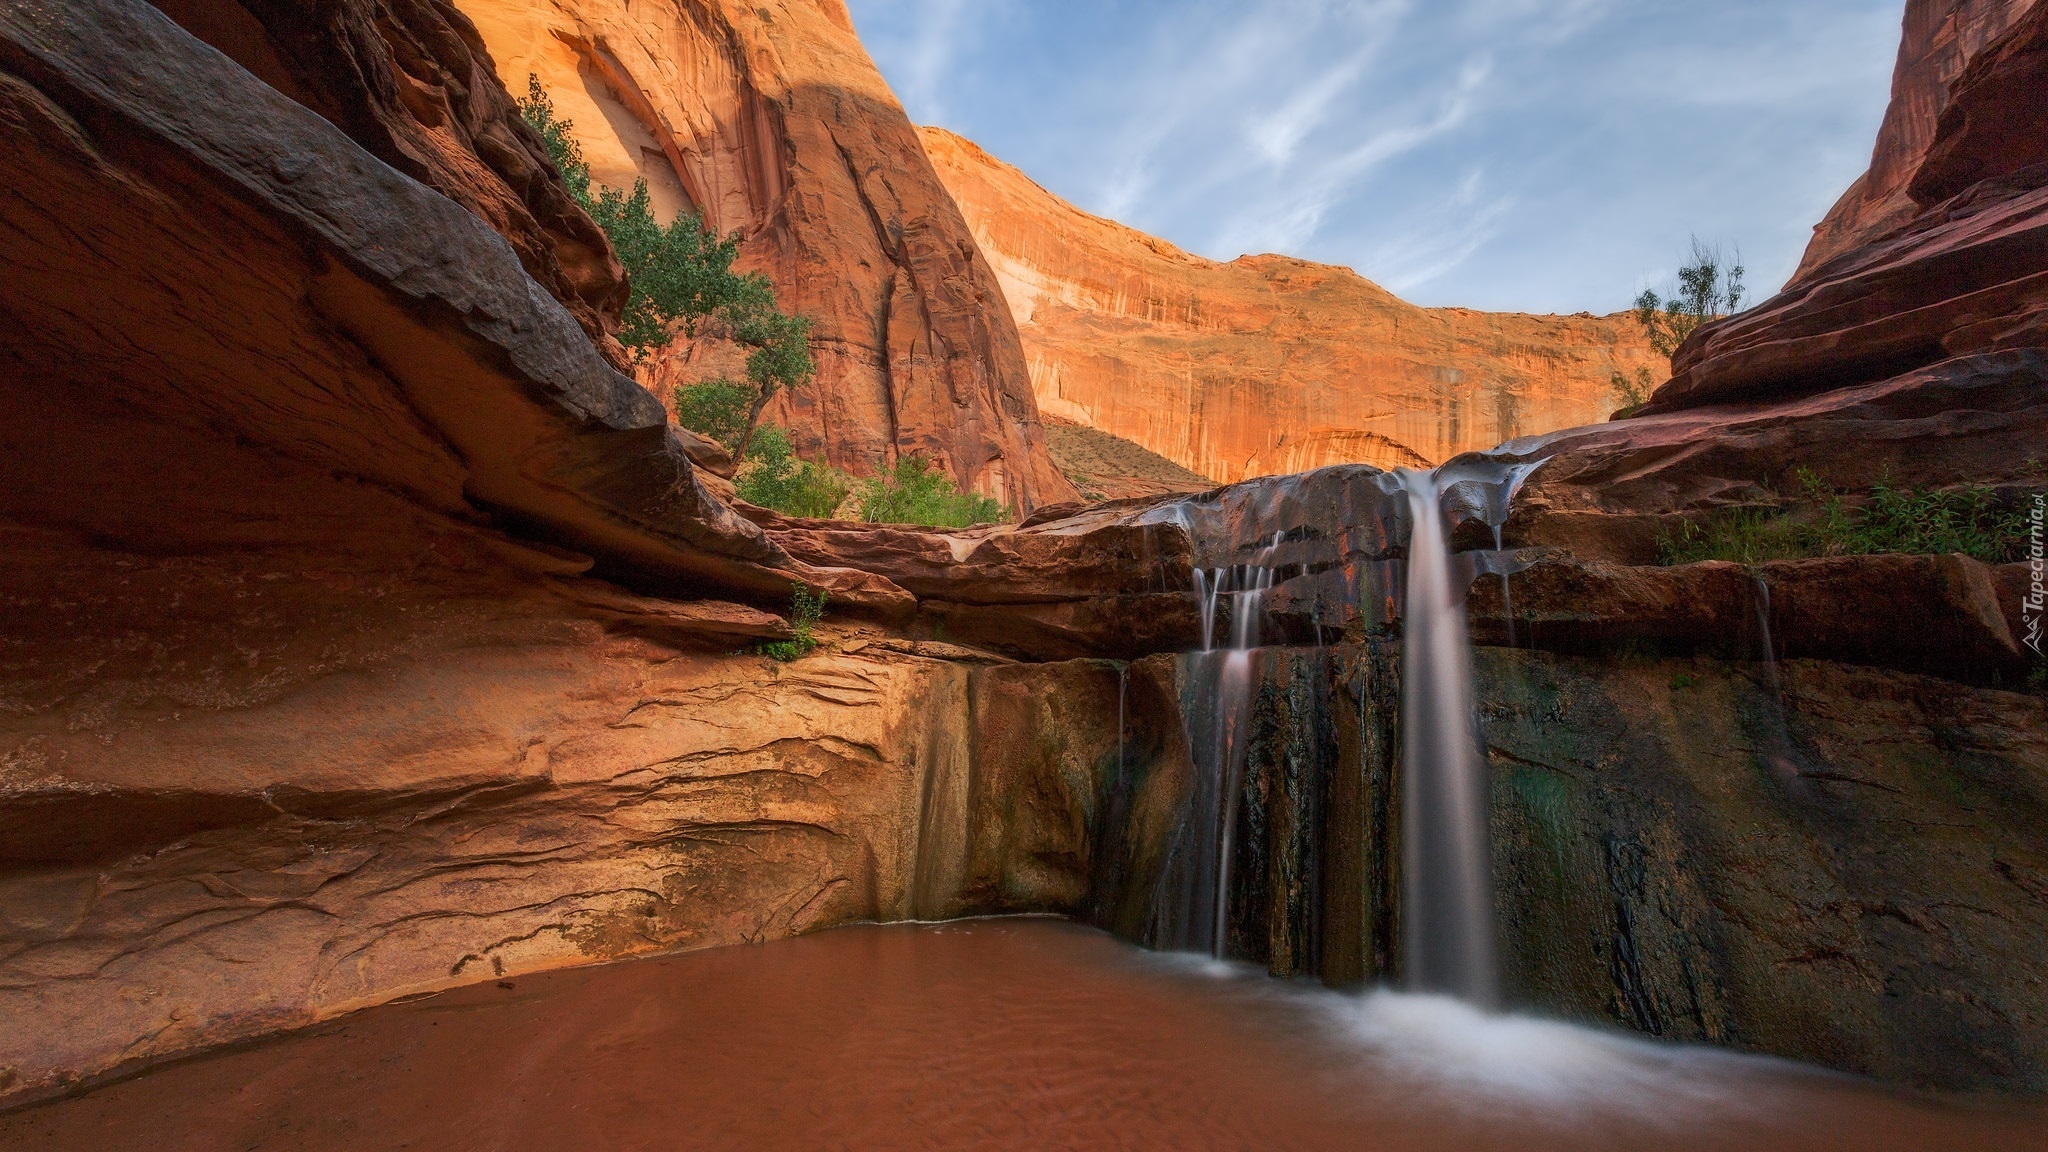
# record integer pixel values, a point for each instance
(990, 1034)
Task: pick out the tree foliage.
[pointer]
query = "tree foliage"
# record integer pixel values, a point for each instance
(1709, 287)
(918, 491)
(716, 408)
(680, 276)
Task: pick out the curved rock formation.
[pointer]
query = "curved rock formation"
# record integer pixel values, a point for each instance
(1958, 276)
(1940, 39)
(770, 119)
(412, 83)
(1265, 365)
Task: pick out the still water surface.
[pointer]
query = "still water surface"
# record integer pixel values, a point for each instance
(1026, 1034)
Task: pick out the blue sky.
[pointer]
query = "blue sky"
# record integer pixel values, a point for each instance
(1530, 155)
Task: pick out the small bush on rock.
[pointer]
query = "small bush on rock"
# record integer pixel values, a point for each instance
(805, 610)
(1823, 522)
(918, 491)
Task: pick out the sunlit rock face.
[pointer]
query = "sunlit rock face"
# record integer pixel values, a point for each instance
(1941, 38)
(1265, 365)
(771, 121)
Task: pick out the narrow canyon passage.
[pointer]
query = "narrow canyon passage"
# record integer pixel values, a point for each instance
(1009, 1033)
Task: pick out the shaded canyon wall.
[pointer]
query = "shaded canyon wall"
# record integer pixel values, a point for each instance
(771, 121)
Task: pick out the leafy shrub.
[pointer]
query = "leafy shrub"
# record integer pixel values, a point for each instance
(1709, 287)
(775, 477)
(918, 491)
(680, 275)
(1631, 391)
(1825, 523)
(716, 408)
(805, 611)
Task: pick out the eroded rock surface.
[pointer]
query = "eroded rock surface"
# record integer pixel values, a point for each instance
(411, 83)
(1961, 269)
(1265, 365)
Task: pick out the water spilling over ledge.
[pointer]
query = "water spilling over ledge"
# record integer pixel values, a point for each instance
(1349, 545)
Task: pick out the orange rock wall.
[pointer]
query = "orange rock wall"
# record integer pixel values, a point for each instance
(1939, 40)
(769, 117)
(1266, 365)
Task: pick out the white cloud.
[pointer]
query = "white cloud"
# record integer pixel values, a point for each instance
(1357, 131)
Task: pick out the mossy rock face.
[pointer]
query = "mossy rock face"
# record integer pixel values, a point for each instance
(1849, 871)
(1839, 875)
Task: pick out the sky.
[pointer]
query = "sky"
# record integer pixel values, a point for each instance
(1514, 155)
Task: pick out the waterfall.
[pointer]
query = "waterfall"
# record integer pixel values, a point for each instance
(1195, 911)
(1507, 602)
(1777, 750)
(1340, 531)
(1446, 858)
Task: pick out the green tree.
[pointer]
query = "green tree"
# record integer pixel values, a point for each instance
(681, 275)
(1709, 287)
(918, 491)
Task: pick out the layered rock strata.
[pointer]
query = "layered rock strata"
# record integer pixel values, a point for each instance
(368, 634)
(1958, 267)
(770, 120)
(1266, 365)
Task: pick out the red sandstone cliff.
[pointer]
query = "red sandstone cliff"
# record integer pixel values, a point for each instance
(1955, 272)
(1265, 365)
(1940, 39)
(770, 118)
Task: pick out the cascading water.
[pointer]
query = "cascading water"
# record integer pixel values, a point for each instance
(1777, 736)
(1340, 535)
(1223, 680)
(1447, 884)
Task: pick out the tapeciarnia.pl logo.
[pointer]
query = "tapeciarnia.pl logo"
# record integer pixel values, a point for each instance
(2037, 594)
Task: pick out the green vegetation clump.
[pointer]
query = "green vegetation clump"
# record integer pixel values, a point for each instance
(806, 609)
(680, 276)
(918, 491)
(1709, 288)
(1824, 523)
(774, 476)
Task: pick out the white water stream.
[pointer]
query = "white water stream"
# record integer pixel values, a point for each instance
(1447, 933)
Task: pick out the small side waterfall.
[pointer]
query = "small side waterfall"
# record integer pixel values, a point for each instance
(1447, 924)
(1777, 748)
(1197, 915)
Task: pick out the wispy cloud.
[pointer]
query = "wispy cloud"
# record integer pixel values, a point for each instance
(1533, 154)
